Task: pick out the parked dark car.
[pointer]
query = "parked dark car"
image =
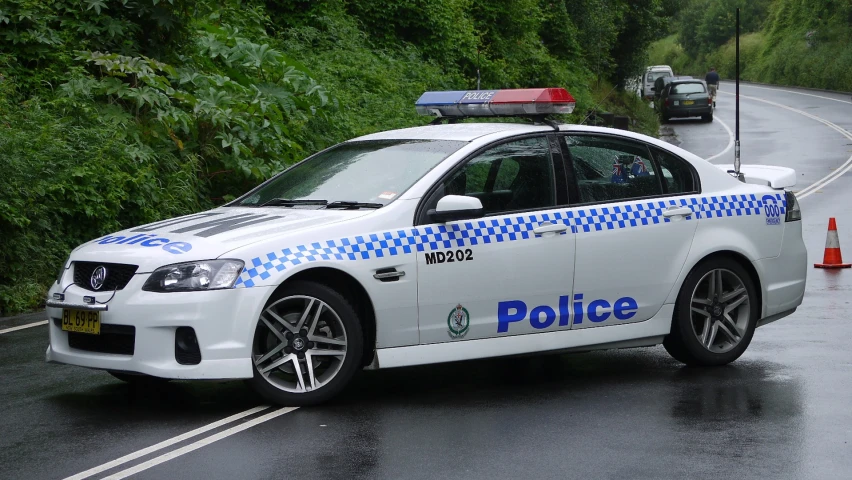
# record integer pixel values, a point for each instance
(685, 98)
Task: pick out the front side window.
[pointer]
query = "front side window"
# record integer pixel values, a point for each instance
(373, 172)
(685, 88)
(609, 169)
(517, 175)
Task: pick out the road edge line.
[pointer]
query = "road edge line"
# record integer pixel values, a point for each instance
(807, 94)
(165, 443)
(730, 141)
(198, 444)
(21, 327)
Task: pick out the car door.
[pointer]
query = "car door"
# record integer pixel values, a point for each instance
(511, 271)
(635, 221)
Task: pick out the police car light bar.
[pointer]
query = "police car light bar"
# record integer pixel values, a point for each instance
(496, 103)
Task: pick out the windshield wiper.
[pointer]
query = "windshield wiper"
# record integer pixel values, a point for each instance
(350, 205)
(286, 202)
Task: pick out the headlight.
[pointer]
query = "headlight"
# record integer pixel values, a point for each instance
(193, 276)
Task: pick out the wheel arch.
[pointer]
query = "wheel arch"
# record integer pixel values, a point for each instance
(738, 257)
(353, 291)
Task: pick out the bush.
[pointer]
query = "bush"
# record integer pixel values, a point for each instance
(68, 179)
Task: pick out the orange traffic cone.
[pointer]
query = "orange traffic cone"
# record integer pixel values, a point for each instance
(832, 258)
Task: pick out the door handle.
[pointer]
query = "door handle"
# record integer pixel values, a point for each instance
(388, 275)
(677, 212)
(549, 227)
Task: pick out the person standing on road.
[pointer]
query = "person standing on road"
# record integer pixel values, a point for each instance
(712, 79)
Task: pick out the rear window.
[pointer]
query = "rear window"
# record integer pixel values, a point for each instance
(653, 76)
(684, 88)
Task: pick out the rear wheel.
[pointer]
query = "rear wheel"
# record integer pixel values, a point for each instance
(715, 316)
(307, 345)
(666, 119)
(707, 118)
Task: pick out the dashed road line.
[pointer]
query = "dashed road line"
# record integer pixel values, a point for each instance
(166, 443)
(838, 172)
(21, 327)
(200, 443)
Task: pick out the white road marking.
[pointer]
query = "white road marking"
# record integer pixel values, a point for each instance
(196, 445)
(21, 327)
(837, 173)
(730, 140)
(799, 93)
(165, 443)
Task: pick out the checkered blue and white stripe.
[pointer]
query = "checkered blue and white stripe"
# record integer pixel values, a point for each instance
(495, 230)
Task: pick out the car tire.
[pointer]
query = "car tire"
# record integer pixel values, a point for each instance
(138, 378)
(700, 335)
(317, 331)
(666, 119)
(707, 118)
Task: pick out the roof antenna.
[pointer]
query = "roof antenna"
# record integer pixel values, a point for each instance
(736, 171)
(478, 64)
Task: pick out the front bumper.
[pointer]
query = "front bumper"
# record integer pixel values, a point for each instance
(223, 321)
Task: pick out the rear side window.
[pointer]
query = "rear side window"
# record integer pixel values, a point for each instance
(684, 88)
(676, 174)
(610, 169)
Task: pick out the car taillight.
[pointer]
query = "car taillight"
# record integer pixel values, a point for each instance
(668, 102)
(793, 211)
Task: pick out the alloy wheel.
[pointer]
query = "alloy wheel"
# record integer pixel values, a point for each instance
(300, 344)
(720, 310)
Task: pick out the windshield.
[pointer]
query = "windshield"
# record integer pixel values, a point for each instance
(684, 88)
(373, 172)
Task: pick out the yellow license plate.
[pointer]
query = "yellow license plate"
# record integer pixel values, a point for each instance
(81, 321)
(688, 102)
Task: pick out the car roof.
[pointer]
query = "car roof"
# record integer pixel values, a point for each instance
(687, 80)
(659, 67)
(465, 132)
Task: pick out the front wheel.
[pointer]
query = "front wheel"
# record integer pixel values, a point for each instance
(307, 345)
(715, 315)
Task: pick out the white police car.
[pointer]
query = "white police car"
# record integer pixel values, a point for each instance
(441, 243)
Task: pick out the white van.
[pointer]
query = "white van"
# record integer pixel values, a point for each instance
(651, 74)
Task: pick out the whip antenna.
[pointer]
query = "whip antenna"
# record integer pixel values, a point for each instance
(736, 171)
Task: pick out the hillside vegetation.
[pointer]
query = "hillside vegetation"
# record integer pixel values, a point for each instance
(121, 112)
(785, 42)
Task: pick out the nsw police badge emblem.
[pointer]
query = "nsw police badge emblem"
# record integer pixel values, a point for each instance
(458, 322)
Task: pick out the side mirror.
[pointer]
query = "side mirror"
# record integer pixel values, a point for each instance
(456, 207)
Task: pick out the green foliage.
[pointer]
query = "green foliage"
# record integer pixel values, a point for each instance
(67, 179)
(705, 25)
(238, 108)
(40, 36)
(800, 43)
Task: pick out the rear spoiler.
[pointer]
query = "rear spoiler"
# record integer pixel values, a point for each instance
(775, 177)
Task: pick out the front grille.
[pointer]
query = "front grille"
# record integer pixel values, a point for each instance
(117, 275)
(115, 339)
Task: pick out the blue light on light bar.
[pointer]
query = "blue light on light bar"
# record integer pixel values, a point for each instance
(440, 104)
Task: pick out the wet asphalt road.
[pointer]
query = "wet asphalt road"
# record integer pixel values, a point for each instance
(781, 411)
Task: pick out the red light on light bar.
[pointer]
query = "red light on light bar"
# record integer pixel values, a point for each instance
(532, 101)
